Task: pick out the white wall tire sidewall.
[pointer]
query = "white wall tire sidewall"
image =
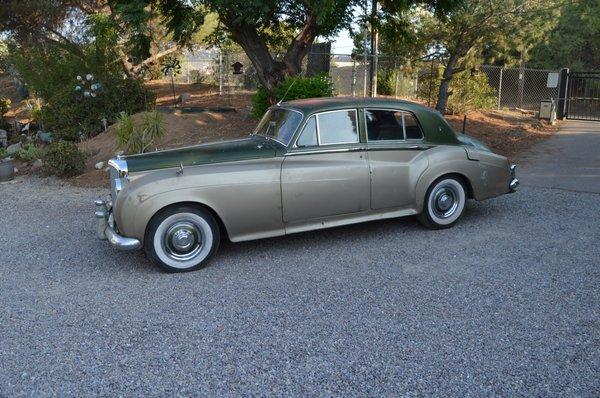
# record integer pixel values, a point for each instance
(462, 199)
(201, 224)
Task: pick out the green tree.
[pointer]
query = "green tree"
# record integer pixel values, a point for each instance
(142, 37)
(460, 38)
(258, 25)
(574, 42)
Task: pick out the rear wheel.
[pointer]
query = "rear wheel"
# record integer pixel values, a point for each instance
(181, 238)
(444, 203)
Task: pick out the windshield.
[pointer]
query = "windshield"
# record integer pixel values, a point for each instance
(279, 124)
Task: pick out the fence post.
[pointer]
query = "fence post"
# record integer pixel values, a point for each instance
(430, 83)
(220, 73)
(561, 105)
(416, 92)
(354, 77)
(397, 78)
(500, 89)
(521, 84)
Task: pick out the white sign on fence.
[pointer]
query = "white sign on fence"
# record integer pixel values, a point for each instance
(552, 80)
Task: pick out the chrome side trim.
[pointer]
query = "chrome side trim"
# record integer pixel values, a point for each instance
(321, 151)
(121, 242)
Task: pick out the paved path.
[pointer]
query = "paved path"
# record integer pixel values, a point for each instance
(569, 160)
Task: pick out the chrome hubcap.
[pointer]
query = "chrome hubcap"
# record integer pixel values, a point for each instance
(182, 241)
(445, 201)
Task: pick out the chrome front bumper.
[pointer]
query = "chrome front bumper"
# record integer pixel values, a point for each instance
(106, 228)
(514, 182)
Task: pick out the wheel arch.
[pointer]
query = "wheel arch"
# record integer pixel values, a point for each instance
(427, 181)
(217, 217)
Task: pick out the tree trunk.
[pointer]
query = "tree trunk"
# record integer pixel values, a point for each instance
(133, 70)
(449, 70)
(271, 72)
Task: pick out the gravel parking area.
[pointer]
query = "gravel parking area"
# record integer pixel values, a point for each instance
(506, 303)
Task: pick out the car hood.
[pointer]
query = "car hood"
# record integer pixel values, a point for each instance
(253, 147)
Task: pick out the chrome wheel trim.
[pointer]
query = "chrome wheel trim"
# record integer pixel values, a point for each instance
(446, 201)
(183, 240)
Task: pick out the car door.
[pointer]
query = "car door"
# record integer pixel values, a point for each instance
(326, 172)
(396, 155)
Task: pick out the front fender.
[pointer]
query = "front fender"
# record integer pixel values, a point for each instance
(245, 196)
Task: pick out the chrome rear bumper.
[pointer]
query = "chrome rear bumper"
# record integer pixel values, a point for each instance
(514, 182)
(106, 228)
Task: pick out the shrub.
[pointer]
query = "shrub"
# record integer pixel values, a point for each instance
(30, 153)
(4, 105)
(137, 139)
(386, 80)
(64, 159)
(71, 116)
(470, 93)
(299, 87)
(466, 92)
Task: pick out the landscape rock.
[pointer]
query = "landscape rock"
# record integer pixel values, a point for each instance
(3, 138)
(44, 137)
(184, 97)
(99, 165)
(37, 165)
(14, 148)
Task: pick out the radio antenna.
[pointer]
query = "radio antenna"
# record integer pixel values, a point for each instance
(288, 90)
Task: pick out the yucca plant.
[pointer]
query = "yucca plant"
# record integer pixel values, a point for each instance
(138, 138)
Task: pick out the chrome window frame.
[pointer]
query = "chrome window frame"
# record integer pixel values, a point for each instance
(293, 134)
(404, 140)
(319, 144)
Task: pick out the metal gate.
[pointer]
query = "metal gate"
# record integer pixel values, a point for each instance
(583, 96)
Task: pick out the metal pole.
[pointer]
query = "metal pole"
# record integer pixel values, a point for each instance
(220, 73)
(500, 89)
(397, 78)
(365, 42)
(354, 77)
(374, 50)
(416, 85)
(430, 83)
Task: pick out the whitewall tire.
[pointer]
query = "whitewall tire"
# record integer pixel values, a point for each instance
(444, 203)
(181, 238)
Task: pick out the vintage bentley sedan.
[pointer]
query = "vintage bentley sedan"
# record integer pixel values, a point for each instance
(309, 164)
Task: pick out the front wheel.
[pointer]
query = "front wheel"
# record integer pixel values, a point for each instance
(444, 203)
(181, 238)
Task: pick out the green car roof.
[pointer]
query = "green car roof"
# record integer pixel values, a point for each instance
(435, 128)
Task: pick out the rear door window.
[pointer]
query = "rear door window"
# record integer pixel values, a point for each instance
(391, 125)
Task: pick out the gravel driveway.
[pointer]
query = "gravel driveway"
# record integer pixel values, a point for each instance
(506, 303)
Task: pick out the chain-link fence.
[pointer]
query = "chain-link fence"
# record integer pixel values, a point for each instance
(522, 88)
(233, 72)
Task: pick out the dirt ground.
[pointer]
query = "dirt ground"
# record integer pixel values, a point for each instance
(181, 129)
(509, 133)
(201, 95)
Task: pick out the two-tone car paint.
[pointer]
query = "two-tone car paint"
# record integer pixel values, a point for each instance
(258, 188)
